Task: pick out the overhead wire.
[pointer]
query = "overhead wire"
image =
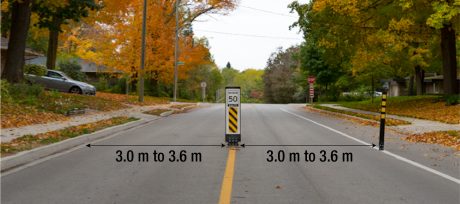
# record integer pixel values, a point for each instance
(248, 35)
(269, 12)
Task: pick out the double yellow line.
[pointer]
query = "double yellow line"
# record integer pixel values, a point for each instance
(227, 182)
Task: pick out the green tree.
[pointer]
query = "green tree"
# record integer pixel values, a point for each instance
(280, 76)
(251, 83)
(191, 87)
(228, 73)
(72, 69)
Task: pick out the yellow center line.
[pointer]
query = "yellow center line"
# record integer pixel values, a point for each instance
(227, 182)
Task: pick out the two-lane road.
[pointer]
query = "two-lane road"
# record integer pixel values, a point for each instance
(360, 174)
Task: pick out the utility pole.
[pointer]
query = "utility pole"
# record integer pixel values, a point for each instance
(141, 72)
(176, 51)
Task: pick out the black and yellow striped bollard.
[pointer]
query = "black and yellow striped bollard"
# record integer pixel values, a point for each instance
(382, 120)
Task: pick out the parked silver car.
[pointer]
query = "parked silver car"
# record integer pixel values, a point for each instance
(56, 80)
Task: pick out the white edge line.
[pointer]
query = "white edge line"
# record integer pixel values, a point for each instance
(416, 164)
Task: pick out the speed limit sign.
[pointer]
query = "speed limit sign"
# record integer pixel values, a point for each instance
(232, 115)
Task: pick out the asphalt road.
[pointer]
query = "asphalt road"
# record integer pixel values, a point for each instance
(92, 175)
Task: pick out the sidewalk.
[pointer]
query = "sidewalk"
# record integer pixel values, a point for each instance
(9, 134)
(418, 125)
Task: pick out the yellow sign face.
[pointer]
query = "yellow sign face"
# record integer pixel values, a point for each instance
(233, 119)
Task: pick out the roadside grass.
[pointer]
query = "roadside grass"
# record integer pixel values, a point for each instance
(132, 99)
(157, 112)
(447, 138)
(422, 107)
(389, 121)
(28, 142)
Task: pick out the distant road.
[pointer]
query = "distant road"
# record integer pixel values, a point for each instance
(358, 175)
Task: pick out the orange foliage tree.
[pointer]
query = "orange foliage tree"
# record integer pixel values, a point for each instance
(112, 36)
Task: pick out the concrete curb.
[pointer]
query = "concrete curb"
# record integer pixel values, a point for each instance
(32, 155)
(167, 113)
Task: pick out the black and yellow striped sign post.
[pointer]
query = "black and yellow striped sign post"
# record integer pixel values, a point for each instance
(232, 115)
(382, 120)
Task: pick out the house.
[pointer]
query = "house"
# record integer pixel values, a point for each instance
(90, 69)
(434, 84)
(29, 53)
(397, 87)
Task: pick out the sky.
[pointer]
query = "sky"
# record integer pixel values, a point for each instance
(269, 18)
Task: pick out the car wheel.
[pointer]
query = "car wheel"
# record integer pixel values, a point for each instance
(75, 90)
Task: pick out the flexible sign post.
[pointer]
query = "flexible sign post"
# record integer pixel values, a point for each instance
(232, 115)
(382, 121)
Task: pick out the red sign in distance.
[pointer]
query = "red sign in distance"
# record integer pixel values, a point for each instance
(311, 79)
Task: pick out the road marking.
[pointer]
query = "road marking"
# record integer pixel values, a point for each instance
(227, 181)
(413, 163)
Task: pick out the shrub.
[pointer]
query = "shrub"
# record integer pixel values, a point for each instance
(452, 99)
(25, 93)
(4, 89)
(35, 69)
(358, 97)
(102, 84)
(72, 69)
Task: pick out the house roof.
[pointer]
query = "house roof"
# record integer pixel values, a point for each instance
(29, 53)
(438, 77)
(86, 66)
(91, 67)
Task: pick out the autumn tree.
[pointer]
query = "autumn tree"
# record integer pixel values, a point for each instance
(354, 33)
(53, 17)
(446, 18)
(114, 40)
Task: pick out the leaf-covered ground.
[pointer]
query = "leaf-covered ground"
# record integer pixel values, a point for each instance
(388, 121)
(132, 99)
(423, 107)
(446, 138)
(14, 115)
(49, 107)
(28, 142)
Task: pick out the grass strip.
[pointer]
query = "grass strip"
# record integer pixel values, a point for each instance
(388, 121)
(28, 142)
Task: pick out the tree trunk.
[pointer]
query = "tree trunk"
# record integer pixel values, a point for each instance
(411, 85)
(372, 89)
(52, 46)
(419, 77)
(449, 63)
(20, 19)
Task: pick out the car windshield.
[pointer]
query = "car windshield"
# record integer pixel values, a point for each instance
(55, 74)
(65, 75)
